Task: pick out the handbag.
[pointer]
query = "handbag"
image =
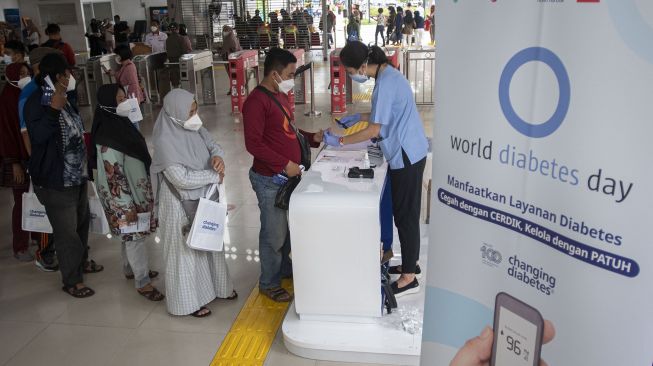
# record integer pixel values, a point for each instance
(207, 231)
(189, 206)
(34, 217)
(282, 199)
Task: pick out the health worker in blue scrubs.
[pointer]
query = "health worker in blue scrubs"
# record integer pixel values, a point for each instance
(395, 122)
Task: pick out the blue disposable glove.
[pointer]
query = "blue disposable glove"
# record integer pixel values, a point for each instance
(348, 121)
(331, 139)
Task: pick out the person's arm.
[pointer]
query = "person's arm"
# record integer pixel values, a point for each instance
(131, 78)
(214, 148)
(371, 131)
(184, 178)
(254, 123)
(42, 121)
(69, 54)
(148, 40)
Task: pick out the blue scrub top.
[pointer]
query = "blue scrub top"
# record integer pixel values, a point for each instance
(394, 108)
(27, 91)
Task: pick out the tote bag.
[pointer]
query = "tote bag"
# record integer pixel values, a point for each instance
(98, 222)
(207, 231)
(34, 218)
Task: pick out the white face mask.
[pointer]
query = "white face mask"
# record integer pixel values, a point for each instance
(154, 29)
(123, 108)
(286, 85)
(194, 123)
(6, 59)
(24, 81)
(72, 84)
(118, 59)
(225, 34)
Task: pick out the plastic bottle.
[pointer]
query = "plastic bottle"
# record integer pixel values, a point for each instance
(366, 161)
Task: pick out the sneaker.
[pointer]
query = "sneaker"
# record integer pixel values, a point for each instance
(411, 288)
(24, 256)
(47, 264)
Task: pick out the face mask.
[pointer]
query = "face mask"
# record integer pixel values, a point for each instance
(153, 29)
(6, 59)
(359, 78)
(24, 81)
(286, 85)
(194, 123)
(72, 84)
(118, 60)
(123, 108)
(225, 34)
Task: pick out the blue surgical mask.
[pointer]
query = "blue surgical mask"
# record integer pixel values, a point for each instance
(359, 78)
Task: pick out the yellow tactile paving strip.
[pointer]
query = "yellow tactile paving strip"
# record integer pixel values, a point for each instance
(253, 331)
(362, 97)
(356, 128)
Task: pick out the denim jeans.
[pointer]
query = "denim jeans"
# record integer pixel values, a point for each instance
(274, 237)
(68, 211)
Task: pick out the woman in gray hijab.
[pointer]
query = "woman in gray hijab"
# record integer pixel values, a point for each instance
(186, 162)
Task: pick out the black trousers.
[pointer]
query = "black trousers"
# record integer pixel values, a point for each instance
(406, 205)
(69, 215)
(379, 30)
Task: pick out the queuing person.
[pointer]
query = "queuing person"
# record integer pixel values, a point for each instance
(353, 29)
(176, 47)
(33, 36)
(394, 120)
(275, 24)
(390, 32)
(156, 39)
(419, 28)
(432, 29)
(13, 155)
(46, 259)
(380, 27)
(270, 138)
(409, 28)
(120, 31)
(331, 26)
(183, 32)
(53, 31)
(186, 162)
(123, 184)
(58, 169)
(94, 38)
(127, 76)
(399, 25)
(230, 45)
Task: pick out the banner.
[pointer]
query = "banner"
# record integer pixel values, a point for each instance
(542, 183)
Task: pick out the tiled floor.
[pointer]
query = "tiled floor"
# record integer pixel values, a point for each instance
(40, 325)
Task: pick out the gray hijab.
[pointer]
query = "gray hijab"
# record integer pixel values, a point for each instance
(175, 145)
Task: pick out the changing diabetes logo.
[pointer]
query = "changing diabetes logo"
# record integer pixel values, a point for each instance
(490, 256)
(553, 61)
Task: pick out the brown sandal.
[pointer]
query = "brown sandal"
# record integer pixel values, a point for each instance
(278, 294)
(151, 274)
(92, 267)
(79, 293)
(233, 296)
(198, 313)
(152, 295)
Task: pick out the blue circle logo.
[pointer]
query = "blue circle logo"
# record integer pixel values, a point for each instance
(519, 59)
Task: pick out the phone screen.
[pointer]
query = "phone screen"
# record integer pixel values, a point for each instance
(517, 333)
(516, 339)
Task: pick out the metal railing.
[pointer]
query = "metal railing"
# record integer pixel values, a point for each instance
(419, 69)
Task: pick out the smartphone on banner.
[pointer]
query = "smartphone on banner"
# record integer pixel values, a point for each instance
(518, 332)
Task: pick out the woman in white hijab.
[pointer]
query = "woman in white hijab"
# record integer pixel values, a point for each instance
(186, 162)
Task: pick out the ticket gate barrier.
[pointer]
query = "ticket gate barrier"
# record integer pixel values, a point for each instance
(240, 65)
(298, 94)
(340, 84)
(96, 75)
(78, 73)
(419, 69)
(149, 68)
(196, 73)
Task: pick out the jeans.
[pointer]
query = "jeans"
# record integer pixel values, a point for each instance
(135, 262)
(69, 215)
(274, 237)
(379, 30)
(406, 206)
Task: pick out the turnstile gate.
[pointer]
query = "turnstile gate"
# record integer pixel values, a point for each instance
(196, 71)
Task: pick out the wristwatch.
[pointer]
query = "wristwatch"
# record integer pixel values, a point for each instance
(341, 140)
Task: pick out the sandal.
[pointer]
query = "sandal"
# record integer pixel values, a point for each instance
(79, 293)
(92, 267)
(152, 295)
(152, 274)
(199, 314)
(233, 296)
(278, 294)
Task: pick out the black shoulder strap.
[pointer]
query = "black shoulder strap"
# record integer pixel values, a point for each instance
(274, 99)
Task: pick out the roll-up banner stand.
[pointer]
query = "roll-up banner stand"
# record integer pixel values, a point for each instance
(542, 183)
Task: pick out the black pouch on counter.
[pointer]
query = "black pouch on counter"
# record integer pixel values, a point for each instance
(282, 200)
(357, 172)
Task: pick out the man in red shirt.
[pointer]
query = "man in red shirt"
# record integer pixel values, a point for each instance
(270, 138)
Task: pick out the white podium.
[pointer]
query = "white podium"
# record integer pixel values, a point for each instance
(338, 313)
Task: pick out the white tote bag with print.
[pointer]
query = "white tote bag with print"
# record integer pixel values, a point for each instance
(99, 223)
(207, 231)
(34, 217)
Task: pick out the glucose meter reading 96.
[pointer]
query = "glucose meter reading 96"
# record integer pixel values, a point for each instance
(518, 331)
